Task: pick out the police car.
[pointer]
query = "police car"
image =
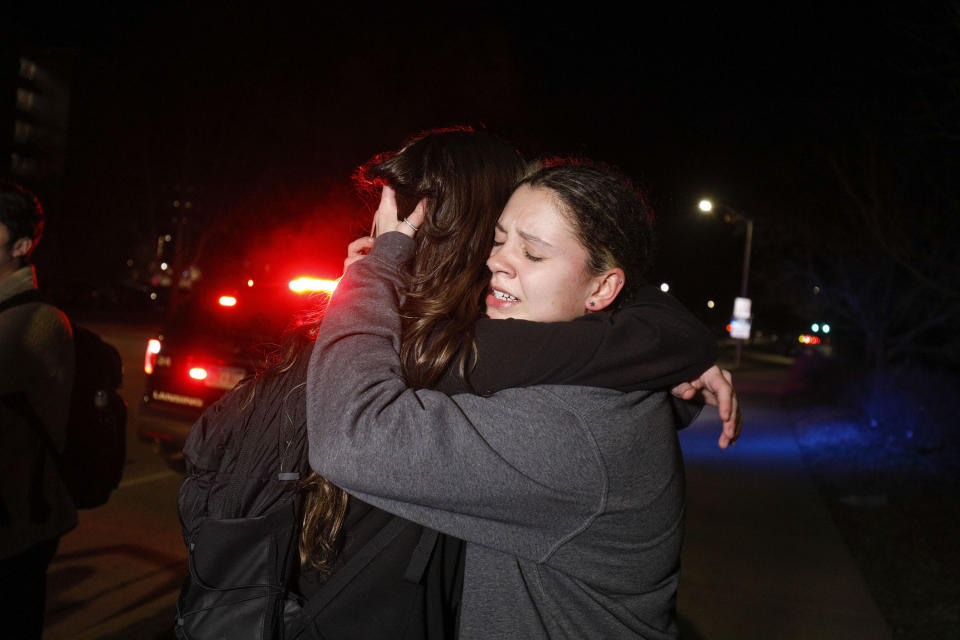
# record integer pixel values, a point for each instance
(212, 340)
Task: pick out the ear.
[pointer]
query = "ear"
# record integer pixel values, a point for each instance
(607, 286)
(21, 247)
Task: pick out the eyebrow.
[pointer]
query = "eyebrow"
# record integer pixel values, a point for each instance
(528, 237)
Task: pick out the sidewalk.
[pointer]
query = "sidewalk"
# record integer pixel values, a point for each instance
(762, 557)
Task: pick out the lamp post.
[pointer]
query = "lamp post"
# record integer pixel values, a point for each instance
(706, 206)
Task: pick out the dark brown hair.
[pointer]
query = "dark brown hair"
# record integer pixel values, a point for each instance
(466, 177)
(21, 213)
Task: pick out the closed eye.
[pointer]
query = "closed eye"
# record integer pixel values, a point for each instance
(531, 257)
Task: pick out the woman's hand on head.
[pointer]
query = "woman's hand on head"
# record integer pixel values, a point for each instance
(386, 217)
(715, 387)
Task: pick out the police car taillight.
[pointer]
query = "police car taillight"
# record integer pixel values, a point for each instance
(227, 301)
(198, 373)
(150, 356)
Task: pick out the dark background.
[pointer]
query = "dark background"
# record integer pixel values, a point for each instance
(834, 126)
(258, 115)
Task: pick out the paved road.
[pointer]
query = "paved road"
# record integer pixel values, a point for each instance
(762, 557)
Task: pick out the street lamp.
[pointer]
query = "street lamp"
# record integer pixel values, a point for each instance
(707, 206)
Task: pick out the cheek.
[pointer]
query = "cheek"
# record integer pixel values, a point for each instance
(568, 294)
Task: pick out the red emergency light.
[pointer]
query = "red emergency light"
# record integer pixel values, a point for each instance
(198, 373)
(150, 356)
(227, 301)
(808, 339)
(307, 284)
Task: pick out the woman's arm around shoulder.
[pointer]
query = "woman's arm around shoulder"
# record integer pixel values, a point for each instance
(652, 343)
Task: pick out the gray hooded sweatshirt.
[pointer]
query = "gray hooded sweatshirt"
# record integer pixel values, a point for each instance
(570, 498)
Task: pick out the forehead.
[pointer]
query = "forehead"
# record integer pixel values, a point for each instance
(534, 206)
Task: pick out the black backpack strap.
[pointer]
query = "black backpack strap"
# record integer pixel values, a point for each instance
(421, 555)
(344, 574)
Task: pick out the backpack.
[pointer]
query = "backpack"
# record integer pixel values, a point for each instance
(91, 463)
(241, 511)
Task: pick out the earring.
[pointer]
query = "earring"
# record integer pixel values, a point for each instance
(593, 304)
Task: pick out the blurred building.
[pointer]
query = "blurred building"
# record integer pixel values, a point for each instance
(34, 112)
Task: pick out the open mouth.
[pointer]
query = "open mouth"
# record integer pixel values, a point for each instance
(503, 295)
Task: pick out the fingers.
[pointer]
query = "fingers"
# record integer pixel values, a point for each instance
(360, 246)
(356, 250)
(732, 425)
(731, 430)
(411, 224)
(386, 217)
(719, 390)
(735, 422)
(419, 213)
(684, 390)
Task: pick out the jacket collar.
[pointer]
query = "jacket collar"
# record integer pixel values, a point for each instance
(23, 279)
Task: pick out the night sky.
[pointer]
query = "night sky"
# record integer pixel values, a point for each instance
(264, 111)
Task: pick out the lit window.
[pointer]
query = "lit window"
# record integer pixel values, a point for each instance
(21, 165)
(21, 131)
(25, 99)
(27, 69)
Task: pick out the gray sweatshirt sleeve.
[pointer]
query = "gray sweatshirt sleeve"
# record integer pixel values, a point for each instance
(517, 471)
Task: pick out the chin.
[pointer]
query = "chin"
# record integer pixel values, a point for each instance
(496, 314)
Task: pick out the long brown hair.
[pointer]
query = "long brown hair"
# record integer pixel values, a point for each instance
(467, 177)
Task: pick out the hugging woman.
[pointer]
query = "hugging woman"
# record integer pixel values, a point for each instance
(569, 496)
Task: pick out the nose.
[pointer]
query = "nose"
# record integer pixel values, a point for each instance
(500, 262)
